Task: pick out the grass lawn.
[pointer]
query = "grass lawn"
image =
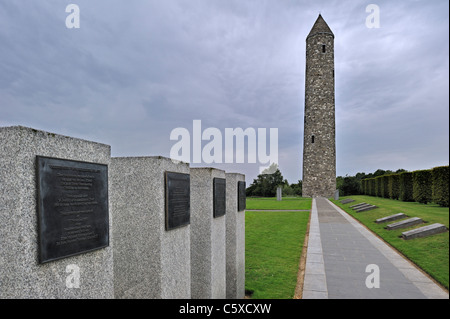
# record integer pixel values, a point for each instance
(273, 246)
(430, 253)
(272, 203)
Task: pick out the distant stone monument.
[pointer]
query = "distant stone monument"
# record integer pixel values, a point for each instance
(336, 194)
(279, 193)
(319, 146)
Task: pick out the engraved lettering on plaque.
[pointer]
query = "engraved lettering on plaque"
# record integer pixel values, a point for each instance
(72, 207)
(219, 196)
(241, 196)
(178, 201)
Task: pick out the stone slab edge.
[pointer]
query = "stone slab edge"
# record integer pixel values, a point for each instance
(315, 283)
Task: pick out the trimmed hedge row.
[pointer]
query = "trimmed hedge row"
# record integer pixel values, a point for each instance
(423, 186)
(439, 180)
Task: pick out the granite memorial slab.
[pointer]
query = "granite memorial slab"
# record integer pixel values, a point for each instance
(365, 208)
(150, 261)
(55, 226)
(235, 236)
(208, 250)
(405, 223)
(425, 231)
(390, 218)
(361, 206)
(356, 205)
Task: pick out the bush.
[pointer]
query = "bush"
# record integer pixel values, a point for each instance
(364, 186)
(440, 181)
(385, 186)
(394, 186)
(350, 186)
(422, 186)
(378, 186)
(406, 187)
(372, 187)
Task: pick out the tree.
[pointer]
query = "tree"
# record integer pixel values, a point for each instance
(265, 184)
(350, 186)
(297, 188)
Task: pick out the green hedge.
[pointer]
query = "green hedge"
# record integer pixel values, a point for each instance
(422, 186)
(378, 189)
(440, 181)
(406, 187)
(385, 186)
(365, 186)
(394, 186)
(372, 187)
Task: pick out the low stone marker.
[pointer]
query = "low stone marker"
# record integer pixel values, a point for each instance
(346, 201)
(405, 223)
(365, 208)
(336, 194)
(356, 205)
(279, 193)
(390, 218)
(424, 231)
(361, 206)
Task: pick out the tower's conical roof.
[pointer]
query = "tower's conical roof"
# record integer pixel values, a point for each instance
(320, 26)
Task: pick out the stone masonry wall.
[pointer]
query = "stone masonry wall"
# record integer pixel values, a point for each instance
(319, 149)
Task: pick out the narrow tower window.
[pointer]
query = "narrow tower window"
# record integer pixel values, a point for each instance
(312, 139)
(324, 48)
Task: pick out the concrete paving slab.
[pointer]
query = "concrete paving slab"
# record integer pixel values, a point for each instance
(349, 250)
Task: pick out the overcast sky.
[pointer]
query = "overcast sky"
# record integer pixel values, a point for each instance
(136, 70)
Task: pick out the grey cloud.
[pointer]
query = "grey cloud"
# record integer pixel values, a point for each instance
(135, 70)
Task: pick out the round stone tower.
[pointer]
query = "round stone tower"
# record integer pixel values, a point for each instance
(319, 145)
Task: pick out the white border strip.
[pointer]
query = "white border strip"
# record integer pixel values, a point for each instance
(428, 287)
(315, 283)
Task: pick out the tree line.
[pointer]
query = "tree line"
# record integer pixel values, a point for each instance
(423, 186)
(265, 185)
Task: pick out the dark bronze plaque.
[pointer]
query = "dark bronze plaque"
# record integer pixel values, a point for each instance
(178, 200)
(241, 196)
(219, 197)
(72, 207)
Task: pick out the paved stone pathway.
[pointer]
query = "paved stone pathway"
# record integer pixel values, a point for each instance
(339, 251)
